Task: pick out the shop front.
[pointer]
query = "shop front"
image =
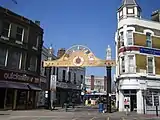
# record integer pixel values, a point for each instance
(18, 90)
(68, 92)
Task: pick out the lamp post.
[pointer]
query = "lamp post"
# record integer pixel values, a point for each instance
(48, 77)
(109, 81)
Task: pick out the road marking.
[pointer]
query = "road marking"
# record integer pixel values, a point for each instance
(74, 118)
(108, 118)
(92, 118)
(122, 118)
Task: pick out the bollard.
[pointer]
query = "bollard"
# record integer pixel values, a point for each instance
(156, 110)
(127, 111)
(65, 107)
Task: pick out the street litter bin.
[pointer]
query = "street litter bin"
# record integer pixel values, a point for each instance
(101, 107)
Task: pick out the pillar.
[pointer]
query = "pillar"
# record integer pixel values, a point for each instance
(5, 98)
(14, 99)
(121, 101)
(117, 99)
(140, 102)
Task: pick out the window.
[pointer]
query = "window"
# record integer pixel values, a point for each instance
(63, 75)
(121, 39)
(81, 78)
(3, 53)
(13, 59)
(122, 65)
(150, 65)
(36, 42)
(121, 14)
(6, 29)
(130, 37)
(74, 78)
(19, 34)
(33, 63)
(131, 64)
(148, 40)
(130, 11)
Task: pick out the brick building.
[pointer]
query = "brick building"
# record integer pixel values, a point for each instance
(20, 60)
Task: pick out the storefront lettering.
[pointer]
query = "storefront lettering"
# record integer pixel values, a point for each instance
(16, 76)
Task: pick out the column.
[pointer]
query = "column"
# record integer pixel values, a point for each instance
(117, 99)
(121, 101)
(140, 102)
(14, 99)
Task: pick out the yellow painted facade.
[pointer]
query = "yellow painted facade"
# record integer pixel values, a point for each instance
(141, 63)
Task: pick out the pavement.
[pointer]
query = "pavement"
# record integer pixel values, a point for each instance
(78, 113)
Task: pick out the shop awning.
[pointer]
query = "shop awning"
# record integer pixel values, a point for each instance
(14, 85)
(18, 85)
(3, 84)
(34, 87)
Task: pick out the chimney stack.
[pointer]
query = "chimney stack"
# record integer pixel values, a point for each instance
(37, 22)
(61, 52)
(156, 16)
(92, 82)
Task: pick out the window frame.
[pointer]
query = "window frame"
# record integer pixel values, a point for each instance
(153, 64)
(35, 69)
(122, 65)
(133, 65)
(9, 30)
(22, 35)
(129, 37)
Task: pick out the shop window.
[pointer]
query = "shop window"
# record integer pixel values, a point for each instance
(33, 63)
(6, 29)
(148, 39)
(3, 53)
(130, 37)
(21, 99)
(19, 34)
(14, 59)
(150, 65)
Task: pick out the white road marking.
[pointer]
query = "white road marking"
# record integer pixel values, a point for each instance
(93, 118)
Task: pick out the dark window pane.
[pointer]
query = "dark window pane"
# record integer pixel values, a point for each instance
(2, 56)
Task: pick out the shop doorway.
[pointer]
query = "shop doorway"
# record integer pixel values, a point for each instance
(133, 102)
(2, 93)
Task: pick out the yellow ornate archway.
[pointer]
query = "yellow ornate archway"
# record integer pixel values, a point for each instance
(79, 56)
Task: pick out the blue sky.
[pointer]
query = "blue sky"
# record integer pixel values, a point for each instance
(68, 22)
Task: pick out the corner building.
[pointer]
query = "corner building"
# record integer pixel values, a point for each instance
(20, 60)
(138, 59)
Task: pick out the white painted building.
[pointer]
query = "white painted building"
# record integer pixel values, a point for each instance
(96, 84)
(138, 59)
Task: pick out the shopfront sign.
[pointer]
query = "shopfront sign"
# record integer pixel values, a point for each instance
(149, 51)
(67, 85)
(14, 76)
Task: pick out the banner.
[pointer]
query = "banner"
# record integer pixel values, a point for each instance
(53, 82)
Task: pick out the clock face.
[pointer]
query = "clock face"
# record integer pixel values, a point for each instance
(78, 48)
(78, 61)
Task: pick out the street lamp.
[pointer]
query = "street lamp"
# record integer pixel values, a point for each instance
(48, 76)
(109, 82)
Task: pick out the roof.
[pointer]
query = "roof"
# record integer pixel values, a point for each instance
(129, 3)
